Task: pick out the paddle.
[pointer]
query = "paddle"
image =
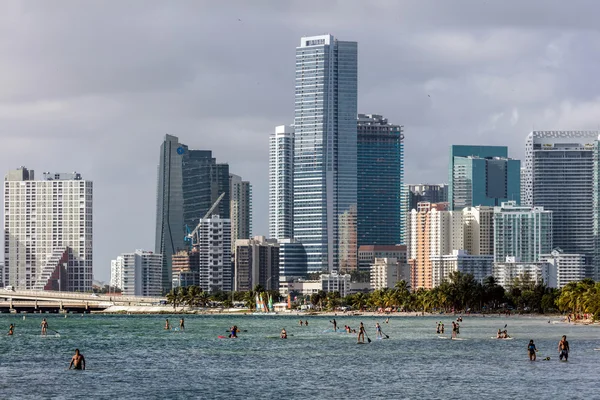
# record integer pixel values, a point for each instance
(239, 330)
(383, 333)
(368, 338)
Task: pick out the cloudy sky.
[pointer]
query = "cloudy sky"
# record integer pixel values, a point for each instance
(94, 86)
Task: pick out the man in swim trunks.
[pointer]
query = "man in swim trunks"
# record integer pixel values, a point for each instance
(44, 326)
(301, 322)
(563, 348)
(306, 323)
(531, 349)
(78, 361)
(442, 330)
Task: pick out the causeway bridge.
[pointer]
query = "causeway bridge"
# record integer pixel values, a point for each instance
(32, 301)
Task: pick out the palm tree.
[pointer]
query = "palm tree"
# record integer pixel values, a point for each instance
(173, 298)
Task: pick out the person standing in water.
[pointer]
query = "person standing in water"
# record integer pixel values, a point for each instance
(301, 322)
(306, 323)
(334, 322)
(361, 334)
(167, 325)
(453, 329)
(44, 326)
(283, 334)
(442, 329)
(78, 361)
(378, 330)
(234, 331)
(531, 349)
(563, 348)
(11, 329)
(182, 324)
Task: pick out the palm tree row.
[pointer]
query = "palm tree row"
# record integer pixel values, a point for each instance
(194, 296)
(581, 297)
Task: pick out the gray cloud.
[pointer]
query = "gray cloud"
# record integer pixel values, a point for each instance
(94, 86)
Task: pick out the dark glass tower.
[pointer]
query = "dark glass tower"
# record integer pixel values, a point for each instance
(380, 177)
(189, 181)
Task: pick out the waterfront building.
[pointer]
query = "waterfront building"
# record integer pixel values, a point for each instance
(426, 193)
(325, 175)
(332, 282)
(256, 263)
(138, 273)
(380, 169)
(241, 209)
(482, 176)
(522, 232)
(459, 260)
(431, 231)
(189, 182)
(281, 183)
(292, 260)
(565, 267)
(368, 253)
(385, 272)
(506, 272)
(478, 230)
(48, 231)
(212, 240)
(561, 175)
(186, 268)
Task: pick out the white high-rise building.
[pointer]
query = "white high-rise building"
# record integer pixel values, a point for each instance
(325, 151)
(281, 183)
(212, 238)
(478, 229)
(521, 232)
(138, 273)
(48, 231)
(561, 175)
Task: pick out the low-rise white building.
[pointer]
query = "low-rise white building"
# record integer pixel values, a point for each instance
(332, 282)
(565, 268)
(478, 266)
(538, 272)
(138, 273)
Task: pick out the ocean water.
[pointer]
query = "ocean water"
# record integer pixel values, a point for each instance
(133, 357)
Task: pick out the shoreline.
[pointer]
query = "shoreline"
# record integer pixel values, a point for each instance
(145, 310)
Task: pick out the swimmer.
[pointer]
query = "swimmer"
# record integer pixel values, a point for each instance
(78, 361)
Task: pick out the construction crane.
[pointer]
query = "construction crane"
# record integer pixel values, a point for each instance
(192, 237)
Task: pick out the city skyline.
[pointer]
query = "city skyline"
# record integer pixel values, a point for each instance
(107, 120)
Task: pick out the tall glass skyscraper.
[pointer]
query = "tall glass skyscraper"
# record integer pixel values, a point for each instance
(380, 178)
(189, 181)
(325, 176)
(561, 174)
(482, 176)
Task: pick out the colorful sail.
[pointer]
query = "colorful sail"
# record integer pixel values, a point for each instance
(289, 305)
(270, 302)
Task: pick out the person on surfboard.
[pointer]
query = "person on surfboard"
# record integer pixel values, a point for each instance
(361, 334)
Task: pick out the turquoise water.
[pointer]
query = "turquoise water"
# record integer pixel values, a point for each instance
(134, 357)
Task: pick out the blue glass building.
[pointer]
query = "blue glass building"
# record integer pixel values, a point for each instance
(325, 176)
(482, 176)
(380, 152)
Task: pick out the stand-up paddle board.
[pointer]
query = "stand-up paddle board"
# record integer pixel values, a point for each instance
(456, 338)
(597, 349)
(443, 337)
(226, 337)
(510, 338)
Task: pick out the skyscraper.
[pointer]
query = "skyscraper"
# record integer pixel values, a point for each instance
(561, 175)
(521, 232)
(380, 168)
(48, 231)
(325, 176)
(189, 182)
(482, 176)
(256, 263)
(214, 246)
(241, 209)
(281, 183)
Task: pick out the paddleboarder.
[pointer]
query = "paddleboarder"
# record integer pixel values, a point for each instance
(334, 322)
(44, 326)
(378, 330)
(11, 329)
(167, 325)
(361, 334)
(182, 324)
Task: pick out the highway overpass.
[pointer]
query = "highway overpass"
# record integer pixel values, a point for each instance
(40, 301)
